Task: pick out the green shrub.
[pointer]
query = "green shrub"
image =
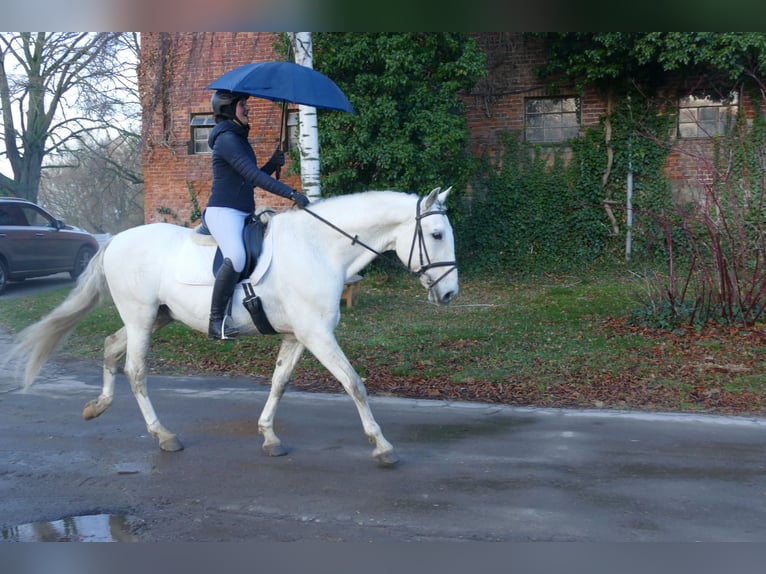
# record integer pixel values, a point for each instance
(530, 210)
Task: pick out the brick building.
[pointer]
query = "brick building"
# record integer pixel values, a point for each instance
(503, 101)
(174, 70)
(176, 67)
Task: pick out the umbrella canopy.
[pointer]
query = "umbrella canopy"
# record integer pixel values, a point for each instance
(284, 82)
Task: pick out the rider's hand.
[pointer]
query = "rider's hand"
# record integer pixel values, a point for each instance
(299, 199)
(277, 158)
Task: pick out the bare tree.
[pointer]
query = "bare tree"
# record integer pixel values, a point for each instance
(55, 90)
(104, 193)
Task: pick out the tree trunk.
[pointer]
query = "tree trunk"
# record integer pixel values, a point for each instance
(308, 141)
(38, 72)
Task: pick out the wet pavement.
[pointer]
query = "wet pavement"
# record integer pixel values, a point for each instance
(467, 471)
(35, 285)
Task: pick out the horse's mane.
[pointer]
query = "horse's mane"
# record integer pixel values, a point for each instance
(359, 196)
(361, 200)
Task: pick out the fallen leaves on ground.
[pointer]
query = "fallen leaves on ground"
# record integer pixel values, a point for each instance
(682, 371)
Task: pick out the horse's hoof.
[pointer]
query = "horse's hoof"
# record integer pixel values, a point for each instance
(93, 409)
(89, 412)
(387, 459)
(171, 444)
(274, 450)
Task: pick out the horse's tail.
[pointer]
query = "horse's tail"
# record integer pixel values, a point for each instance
(36, 343)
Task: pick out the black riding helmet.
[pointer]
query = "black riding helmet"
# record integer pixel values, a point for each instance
(224, 103)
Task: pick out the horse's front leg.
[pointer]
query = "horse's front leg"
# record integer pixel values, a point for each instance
(326, 349)
(289, 354)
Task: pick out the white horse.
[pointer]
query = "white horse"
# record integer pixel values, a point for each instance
(158, 273)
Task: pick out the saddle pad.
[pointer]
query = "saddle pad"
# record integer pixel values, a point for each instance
(203, 239)
(195, 260)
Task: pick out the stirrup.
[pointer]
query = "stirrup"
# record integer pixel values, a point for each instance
(219, 330)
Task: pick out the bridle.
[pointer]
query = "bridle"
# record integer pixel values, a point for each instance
(417, 239)
(425, 260)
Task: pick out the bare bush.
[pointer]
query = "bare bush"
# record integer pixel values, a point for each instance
(717, 263)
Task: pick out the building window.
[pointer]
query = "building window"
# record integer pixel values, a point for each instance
(551, 120)
(201, 125)
(705, 117)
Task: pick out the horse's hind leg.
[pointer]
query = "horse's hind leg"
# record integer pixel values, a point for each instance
(139, 332)
(115, 346)
(114, 350)
(289, 354)
(135, 370)
(133, 344)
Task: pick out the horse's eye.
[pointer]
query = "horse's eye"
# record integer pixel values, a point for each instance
(437, 235)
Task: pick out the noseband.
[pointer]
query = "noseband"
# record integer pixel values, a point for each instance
(425, 261)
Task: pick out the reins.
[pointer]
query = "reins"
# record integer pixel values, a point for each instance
(354, 239)
(425, 260)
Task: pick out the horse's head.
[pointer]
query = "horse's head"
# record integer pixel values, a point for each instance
(430, 251)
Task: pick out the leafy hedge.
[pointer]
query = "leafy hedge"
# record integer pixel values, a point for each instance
(533, 208)
(410, 132)
(529, 210)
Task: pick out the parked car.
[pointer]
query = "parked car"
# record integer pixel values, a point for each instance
(33, 243)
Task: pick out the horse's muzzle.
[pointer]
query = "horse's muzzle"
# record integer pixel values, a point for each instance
(447, 298)
(444, 290)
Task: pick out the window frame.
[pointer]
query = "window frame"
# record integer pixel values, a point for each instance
(691, 106)
(200, 126)
(565, 107)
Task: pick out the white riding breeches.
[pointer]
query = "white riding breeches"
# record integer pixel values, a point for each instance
(226, 226)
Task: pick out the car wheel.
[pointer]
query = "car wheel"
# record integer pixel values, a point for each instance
(84, 255)
(3, 275)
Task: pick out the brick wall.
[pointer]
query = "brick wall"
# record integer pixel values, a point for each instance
(496, 104)
(185, 63)
(689, 166)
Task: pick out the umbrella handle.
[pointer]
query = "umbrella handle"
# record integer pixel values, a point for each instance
(282, 134)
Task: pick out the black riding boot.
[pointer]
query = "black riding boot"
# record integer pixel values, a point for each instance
(225, 281)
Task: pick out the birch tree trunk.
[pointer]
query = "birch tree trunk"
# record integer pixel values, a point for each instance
(308, 140)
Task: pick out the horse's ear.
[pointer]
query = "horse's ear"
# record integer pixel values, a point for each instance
(443, 195)
(431, 198)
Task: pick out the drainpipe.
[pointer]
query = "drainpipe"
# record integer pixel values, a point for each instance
(629, 206)
(629, 195)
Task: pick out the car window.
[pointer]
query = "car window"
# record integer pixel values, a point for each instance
(5, 216)
(37, 218)
(11, 214)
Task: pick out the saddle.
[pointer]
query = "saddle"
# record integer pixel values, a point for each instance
(252, 237)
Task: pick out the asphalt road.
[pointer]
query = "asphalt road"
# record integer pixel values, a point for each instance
(35, 285)
(467, 471)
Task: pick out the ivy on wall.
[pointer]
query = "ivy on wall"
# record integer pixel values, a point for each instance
(531, 208)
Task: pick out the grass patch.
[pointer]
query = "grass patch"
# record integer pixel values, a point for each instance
(546, 340)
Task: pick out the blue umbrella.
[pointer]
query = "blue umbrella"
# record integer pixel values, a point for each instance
(284, 82)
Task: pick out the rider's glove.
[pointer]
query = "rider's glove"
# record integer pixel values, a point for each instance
(299, 199)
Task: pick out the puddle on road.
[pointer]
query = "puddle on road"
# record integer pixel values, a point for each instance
(88, 528)
(435, 433)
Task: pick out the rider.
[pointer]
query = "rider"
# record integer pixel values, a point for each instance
(235, 174)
